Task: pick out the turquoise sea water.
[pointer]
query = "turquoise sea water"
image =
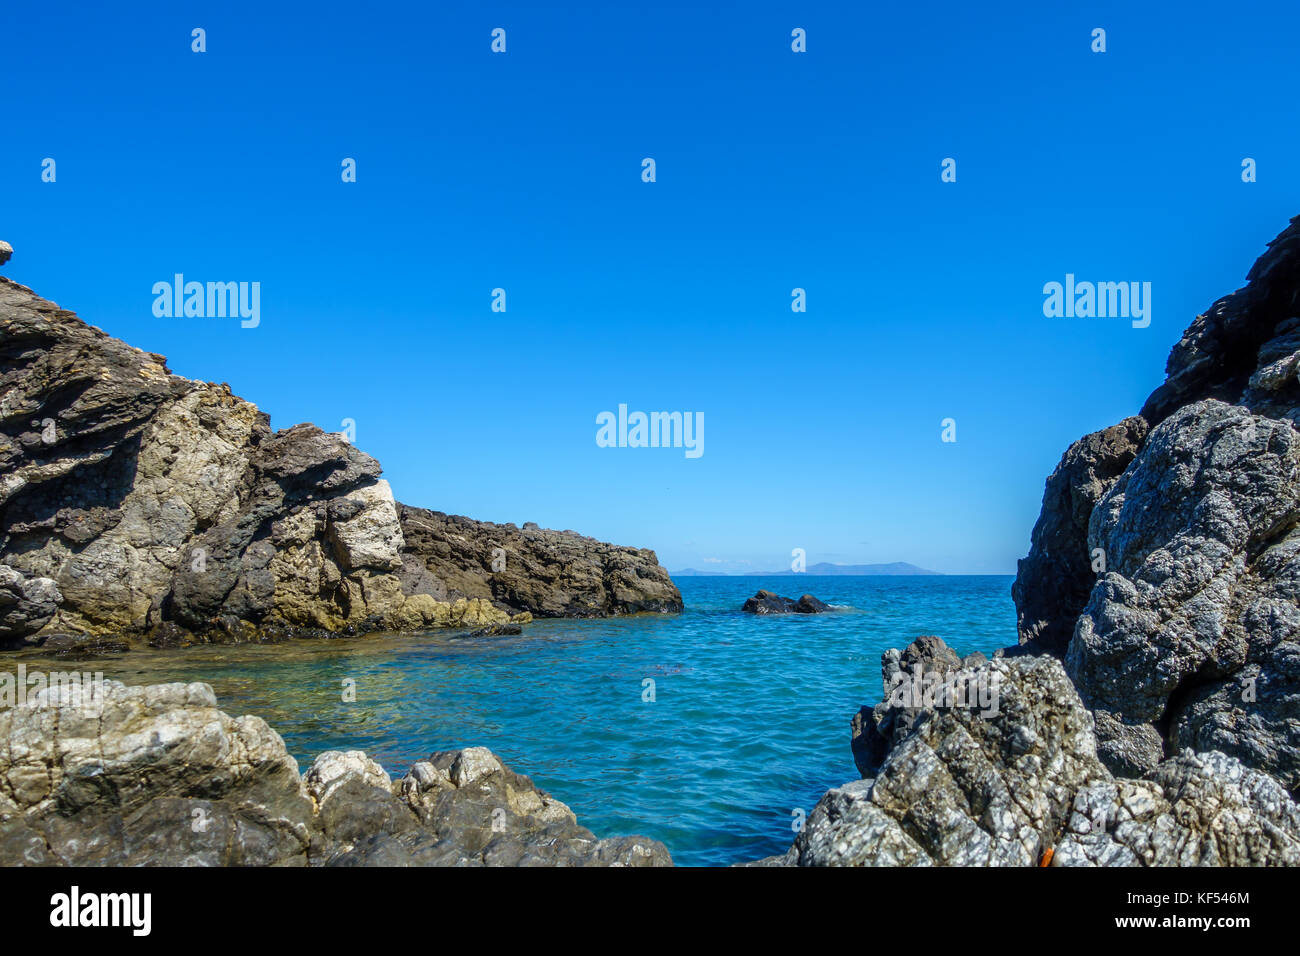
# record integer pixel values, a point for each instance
(750, 719)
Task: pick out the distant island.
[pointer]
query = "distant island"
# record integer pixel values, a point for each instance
(822, 568)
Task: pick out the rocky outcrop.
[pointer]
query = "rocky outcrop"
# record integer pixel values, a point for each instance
(26, 603)
(1163, 568)
(875, 729)
(131, 498)
(1019, 783)
(545, 573)
(159, 776)
(1053, 583)
(767, 602)
(1192, 636)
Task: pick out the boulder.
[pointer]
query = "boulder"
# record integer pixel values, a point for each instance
(160, 776)
(969, 784)
(497, 630)
(1191, 637)
(767, 602)
(26, 605)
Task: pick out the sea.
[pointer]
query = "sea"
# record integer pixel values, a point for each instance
(712, 730)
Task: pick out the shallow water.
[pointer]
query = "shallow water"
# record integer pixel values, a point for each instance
(749, 722)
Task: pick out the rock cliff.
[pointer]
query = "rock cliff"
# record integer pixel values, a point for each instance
(132, 499)
(1165, 566)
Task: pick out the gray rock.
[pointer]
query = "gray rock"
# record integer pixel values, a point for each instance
(1193, 810)
(767, 602)
(1199, 610)
(961, 786)
(1053, 583)
(6, 251)
(159, 776)
(26, 604)
(497, 630)
(875, 728)
(1185, 634)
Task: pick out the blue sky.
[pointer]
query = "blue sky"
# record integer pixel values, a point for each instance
(775, 170)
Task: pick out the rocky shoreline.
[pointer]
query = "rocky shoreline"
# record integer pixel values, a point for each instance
(1150, 715)
(138, 505)
(159, 776)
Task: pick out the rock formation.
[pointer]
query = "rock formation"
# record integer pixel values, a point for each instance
(766, 602)
(132, 498)
(1165, 566)
(159, 776)
(1151, 712)
(547, 573)
(1002, 785)
(876, 728)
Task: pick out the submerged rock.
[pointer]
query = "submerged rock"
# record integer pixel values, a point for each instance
(132, 497)
(766, 602)
(497, 630)
(974, 785)
(159, 776)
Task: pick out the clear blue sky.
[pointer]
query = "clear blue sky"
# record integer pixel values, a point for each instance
(775, 170)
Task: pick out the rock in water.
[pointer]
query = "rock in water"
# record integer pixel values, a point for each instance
(1165, 566)
(969, 784)
(159, 776)
(497, 630)
(766, 602)
(131, 497)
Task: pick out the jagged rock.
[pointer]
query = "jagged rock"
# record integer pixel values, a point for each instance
(766, 602)
(1053, 583)
(875, 728)
(1186, 633)
(159, 776)
(972, 785)
(546, 573)
(1202, 589)
(1221, 351)
(6, 251)
(26, 604)
(1194, 810)
(131, 497)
